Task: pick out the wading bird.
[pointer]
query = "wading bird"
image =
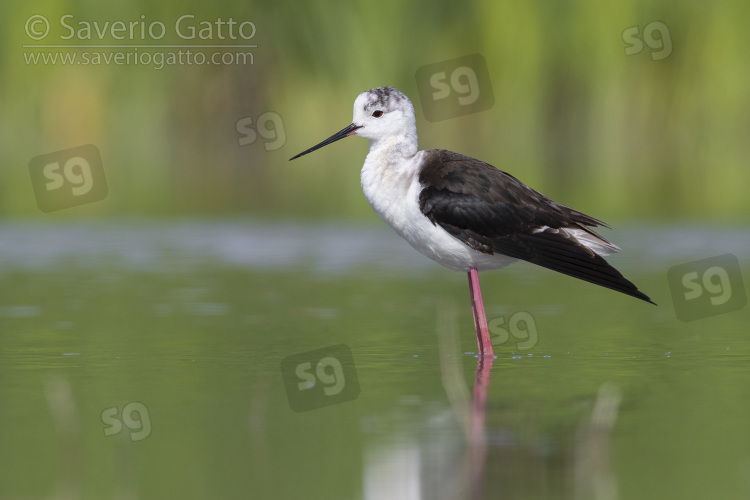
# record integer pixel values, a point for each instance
(466, 214)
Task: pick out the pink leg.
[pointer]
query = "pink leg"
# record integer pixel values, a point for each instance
(480, 320)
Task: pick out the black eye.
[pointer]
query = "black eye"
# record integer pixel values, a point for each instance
(377, 114)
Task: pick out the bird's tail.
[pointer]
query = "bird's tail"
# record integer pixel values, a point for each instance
(581, 257)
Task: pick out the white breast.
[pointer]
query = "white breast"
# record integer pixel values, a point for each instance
(392, 189)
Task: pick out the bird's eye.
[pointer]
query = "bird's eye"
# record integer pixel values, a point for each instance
(377, 114)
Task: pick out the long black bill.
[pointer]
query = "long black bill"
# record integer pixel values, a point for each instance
(335, 137)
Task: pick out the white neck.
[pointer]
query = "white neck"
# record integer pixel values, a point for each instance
(392, 149)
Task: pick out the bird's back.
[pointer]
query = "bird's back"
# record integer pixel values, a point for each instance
(494, 213)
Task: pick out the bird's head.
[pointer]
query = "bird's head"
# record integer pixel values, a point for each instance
(379, 114)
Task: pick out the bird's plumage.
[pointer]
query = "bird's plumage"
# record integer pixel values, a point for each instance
(466, 214)
(494, 213)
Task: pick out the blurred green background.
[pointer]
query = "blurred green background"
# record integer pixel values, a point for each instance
(129, 300)
(616, 135)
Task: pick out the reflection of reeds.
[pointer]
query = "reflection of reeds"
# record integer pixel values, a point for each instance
(258, 427)
(68, 484)
(62, 408)
(451, 366)
(592, 467)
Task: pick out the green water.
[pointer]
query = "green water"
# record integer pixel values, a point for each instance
(195, 341)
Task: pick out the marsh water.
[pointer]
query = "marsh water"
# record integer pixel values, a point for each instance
(145, 359)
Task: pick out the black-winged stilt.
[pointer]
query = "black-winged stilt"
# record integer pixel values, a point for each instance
(466, 214)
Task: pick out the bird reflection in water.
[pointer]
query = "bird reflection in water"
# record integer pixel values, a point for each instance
(450, 453)
(470, 411)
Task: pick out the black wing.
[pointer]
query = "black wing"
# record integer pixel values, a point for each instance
(493, 212)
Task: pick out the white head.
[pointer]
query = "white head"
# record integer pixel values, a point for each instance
(383, 112)
(381, 115)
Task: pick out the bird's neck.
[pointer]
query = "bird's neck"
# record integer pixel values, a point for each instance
(394, 149)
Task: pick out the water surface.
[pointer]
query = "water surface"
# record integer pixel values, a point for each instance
(184, 325)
